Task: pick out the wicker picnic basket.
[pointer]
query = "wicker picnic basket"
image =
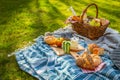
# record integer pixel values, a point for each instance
(91, 32)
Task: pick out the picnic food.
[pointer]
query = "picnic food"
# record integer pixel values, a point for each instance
(96, 59)
(92, 46)
(75, 46)
(85, 61)
(88, 26)
(72, 46)
(95, 22)
(98, 51)
(76, 18)
(95, 49)
(54, 41)
(59, 41)
(66, 46)
(88, 61)
(102, 21)
(51, 40)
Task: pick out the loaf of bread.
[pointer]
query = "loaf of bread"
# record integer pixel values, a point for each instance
(92, 46)
(95, 49)
(51, 40)
(88, 61)
(96, 59)
(98, 51)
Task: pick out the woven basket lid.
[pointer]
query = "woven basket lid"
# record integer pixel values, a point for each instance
(115, 57)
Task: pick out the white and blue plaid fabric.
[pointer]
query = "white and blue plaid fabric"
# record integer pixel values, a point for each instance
(40, 61)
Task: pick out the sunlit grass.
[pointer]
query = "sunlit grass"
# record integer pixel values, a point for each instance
(22, 21)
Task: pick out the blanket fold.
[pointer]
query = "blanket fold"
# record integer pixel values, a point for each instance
(40, 60)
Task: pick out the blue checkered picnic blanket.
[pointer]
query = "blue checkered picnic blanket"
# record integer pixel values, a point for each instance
(40, 61)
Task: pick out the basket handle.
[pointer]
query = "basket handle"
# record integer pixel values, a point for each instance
(84, 11)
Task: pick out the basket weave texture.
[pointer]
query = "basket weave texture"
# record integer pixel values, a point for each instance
(91, 32)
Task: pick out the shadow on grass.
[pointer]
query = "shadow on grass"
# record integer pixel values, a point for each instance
(68, 2)
(8, 7)
(105, 8)
(40, 27)
(54, 12)
(46, 21)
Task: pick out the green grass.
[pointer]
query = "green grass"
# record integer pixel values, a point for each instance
(23, 20)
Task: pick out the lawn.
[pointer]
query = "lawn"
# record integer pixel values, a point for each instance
(21, 21)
